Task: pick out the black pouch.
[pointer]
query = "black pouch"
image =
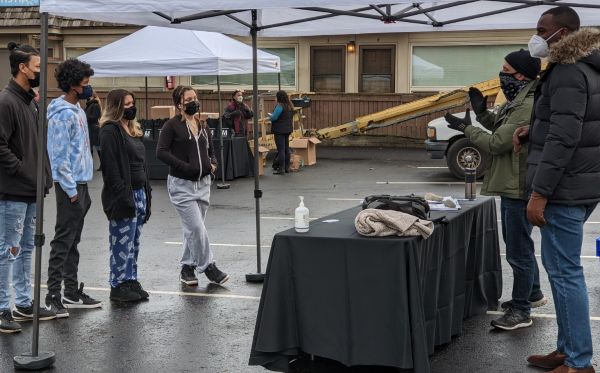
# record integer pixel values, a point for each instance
(411, 204)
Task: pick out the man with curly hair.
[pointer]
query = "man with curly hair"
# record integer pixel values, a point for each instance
(72, 169)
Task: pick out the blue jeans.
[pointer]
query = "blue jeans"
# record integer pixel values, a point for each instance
(124, 239)
(562, 237)
(17, 228)
(520, 252)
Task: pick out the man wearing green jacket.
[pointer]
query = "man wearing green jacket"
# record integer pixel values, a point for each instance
(506, 178)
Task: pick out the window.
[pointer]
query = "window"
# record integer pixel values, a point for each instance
(328, 69)
(288, 73)
(117, 82)
(377, 65)
(456, 66)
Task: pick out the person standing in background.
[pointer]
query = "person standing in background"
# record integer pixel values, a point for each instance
(238, 113)
(282, 126)
(93, 111)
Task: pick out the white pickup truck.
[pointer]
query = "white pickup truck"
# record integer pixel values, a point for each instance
(460, 153)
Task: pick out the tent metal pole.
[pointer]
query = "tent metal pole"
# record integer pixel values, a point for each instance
(258, 276)
(279, 80)
(147, 107)
(36, 359)
(499, 11)
(223, 184)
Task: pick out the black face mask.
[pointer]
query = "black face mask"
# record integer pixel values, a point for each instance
(192, 107)
(129, 113)
(35, 82)
(510, 85)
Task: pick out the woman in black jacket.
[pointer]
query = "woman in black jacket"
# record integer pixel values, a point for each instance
(282, 127)
(93, 111)
(185, 144)
(126, 192)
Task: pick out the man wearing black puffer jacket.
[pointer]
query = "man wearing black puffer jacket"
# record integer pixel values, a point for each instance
(563, 174)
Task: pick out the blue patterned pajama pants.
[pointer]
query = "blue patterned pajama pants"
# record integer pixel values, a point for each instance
(124, 239)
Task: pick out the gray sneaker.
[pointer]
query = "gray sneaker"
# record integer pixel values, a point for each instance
(8, 324)
(512, 319)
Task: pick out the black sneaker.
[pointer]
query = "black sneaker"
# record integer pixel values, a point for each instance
(79, 299)
(8, 324)
(26, 313)
(188, 275)
(512, 319)
(137, 287)
(54, 304)
(215, 275)
(124, 293)
(535, 302)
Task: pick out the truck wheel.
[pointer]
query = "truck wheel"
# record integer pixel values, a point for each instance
(464, 154)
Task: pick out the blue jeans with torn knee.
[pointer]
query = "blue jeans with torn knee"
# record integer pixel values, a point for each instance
(562, 237)
(17, 228)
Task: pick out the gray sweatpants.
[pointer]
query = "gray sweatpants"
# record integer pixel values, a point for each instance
(191, 200)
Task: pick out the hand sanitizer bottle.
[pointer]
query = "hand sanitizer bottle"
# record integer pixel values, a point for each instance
(301, 217)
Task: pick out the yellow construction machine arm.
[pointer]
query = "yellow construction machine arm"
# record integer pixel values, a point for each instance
(411, 110)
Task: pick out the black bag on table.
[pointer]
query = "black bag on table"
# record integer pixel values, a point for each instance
(412, 205)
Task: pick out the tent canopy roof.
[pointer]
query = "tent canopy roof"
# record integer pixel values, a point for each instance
(286, 18)
(160, 51)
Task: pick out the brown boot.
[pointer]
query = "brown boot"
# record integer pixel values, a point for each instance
(552, 360)
(566, 369)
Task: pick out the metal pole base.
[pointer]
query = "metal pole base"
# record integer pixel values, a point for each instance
(26, 361)
(255, 277)
(223, 186)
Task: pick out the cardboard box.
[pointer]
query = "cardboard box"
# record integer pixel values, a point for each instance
(262, 161)
(162, 112)
(306, 147)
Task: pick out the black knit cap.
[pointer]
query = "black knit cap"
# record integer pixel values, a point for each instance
(522, 61)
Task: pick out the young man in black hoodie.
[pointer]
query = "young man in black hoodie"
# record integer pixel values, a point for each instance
(18, 183)
(563, 174)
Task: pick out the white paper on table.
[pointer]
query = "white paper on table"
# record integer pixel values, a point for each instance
(439, 205)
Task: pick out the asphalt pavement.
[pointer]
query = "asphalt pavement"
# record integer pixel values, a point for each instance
(209, 328)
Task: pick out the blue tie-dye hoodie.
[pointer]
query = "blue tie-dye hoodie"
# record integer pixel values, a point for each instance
(69, 145)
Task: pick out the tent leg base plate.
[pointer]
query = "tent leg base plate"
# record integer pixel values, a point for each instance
(26, 361)
(255, 277)
(223, 186)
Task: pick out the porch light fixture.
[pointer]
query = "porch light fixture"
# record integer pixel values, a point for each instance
(351, 47)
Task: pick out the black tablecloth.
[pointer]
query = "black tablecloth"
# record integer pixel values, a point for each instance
(238, 158)
(376, 301)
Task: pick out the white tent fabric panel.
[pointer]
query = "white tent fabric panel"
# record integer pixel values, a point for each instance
(275, 12)
(160, 51)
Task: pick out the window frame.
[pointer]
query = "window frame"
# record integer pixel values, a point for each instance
(342, 48)
(480, 43)
(248, 87)
(391, 47)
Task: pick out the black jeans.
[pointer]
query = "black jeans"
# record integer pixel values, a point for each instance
(283, 151)
(64, 256)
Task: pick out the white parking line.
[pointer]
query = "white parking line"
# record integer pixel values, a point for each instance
(217, 244)
(540, 315)
(181, 293)
(424, 182)
(581, 256)
(344, 199)
(281, 218)
(432, 167)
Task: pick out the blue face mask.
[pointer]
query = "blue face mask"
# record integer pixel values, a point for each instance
(86, 93)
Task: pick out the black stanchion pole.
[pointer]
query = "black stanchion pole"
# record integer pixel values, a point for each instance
(258, 276)
(222, 184)
(36, 360)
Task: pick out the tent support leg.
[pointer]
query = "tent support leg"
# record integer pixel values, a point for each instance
(36, 359)
(222, 184)
(146, 88)
(258, 276)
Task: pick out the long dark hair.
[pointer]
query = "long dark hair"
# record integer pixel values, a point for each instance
(178, 93)
(284, 100)
(20, 54)
(114, 108)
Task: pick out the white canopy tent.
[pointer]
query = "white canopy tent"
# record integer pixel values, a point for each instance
(161, 51)
(280, 18)
(313, 17)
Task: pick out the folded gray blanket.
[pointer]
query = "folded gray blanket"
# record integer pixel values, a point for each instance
(374, 222)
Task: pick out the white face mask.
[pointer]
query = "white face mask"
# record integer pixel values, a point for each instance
(538, 46)
(239, 98)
